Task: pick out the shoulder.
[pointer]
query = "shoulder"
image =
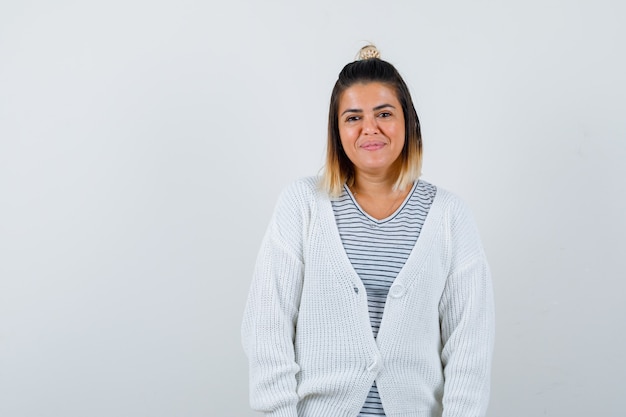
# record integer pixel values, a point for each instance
(451, 203)
(302, 192)
(299, 201)
(306, 185)
(460, 227)
(454, 214)
(297, 205)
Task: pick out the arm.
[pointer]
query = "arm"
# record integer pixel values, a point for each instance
(466, 312)
(269, 322)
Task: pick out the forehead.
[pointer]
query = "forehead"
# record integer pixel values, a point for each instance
(364, 96)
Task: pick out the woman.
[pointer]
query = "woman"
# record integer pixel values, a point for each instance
(371, 294)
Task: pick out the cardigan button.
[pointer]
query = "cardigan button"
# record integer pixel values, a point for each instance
(397, 290)
(375, 366)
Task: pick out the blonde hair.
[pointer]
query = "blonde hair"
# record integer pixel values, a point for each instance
(339, 170)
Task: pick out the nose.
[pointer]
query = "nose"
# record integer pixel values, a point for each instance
(370, 126)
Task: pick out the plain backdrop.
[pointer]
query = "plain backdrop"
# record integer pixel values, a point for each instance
(143, 145)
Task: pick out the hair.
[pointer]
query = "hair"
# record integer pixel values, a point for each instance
(369, 68)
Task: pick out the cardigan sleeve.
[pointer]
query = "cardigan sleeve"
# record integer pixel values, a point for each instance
(467, 321)
(271, 312)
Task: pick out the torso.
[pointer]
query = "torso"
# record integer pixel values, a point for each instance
(378, 242)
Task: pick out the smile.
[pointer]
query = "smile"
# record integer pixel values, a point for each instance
(373, 146)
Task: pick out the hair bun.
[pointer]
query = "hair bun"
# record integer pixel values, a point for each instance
(368, 52)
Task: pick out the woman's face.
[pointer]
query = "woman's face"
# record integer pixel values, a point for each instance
(371, 128)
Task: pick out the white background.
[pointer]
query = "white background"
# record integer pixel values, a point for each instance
(143, 145)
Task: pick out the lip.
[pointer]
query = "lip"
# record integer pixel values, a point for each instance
(373, 145)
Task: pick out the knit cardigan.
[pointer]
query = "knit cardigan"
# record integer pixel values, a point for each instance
(306, 328)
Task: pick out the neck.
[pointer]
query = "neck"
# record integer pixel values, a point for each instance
(379, 186)
(376, 195)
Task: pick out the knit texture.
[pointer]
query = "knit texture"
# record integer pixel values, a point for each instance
(378, 249)
(306, 327)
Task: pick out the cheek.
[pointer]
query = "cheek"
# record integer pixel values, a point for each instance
(346, 136)
(399, 132)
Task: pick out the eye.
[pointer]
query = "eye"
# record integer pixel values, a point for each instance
(384, 114)
(353, 118)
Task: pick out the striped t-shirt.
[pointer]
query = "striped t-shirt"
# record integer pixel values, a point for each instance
(378, 250)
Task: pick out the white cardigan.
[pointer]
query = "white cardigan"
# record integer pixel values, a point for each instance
(306, 327)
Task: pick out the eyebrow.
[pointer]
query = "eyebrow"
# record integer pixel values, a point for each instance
(382, 106)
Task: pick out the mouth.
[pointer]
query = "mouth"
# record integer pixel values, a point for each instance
(373, 146)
